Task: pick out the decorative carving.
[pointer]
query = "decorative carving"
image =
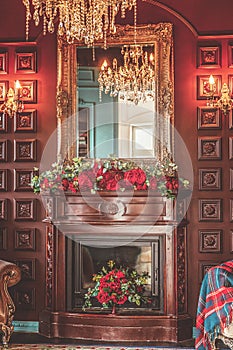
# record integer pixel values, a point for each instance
(3, 122)
(25, 121)
(23, 179)
(210, 210)
(209, 148)
(3, 179)
(203, 86)
(62, 102)
(210, 179)
(210, 241)
(113, 208)
(208, 118)
(3, 209)
(27, 267)
(3, 151)
(4, 85)
(28, 91)
(25, 62)
(25, 150)
(49, 265)
(25, 239)
(25, 299)
(209, 57)
(204, 267)
(10, 275)
(48, 209)
(181, 270)
(25, 209)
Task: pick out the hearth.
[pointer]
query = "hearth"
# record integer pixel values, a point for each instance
(83, 233)
(89, 256)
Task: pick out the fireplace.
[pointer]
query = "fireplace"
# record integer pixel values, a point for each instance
(143, 255)
(140, 231)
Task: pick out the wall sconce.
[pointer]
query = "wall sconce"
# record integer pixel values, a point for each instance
(225, 103)
(13, 104)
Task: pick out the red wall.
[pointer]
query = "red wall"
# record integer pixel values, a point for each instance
(30, 293)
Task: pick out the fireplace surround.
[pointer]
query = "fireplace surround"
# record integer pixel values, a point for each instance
(143, 228)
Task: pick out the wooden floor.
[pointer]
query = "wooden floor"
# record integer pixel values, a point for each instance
(27, 339)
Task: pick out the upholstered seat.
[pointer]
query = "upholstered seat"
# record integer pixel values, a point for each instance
(227, 336)
(10, 275)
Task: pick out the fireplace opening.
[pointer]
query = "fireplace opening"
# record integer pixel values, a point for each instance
(85, 259)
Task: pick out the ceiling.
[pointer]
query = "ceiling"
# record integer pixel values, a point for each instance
(206, 17)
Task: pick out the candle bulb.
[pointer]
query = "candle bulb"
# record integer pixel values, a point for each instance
(211, 83)
(17, 89)
(104, 65)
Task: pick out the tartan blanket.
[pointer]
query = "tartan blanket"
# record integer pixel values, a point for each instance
(215, 304)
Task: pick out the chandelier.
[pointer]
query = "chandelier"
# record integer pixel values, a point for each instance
(82, 20)
(134, 81)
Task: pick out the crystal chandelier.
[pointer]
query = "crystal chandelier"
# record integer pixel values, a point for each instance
(82, 20)
(134, 81)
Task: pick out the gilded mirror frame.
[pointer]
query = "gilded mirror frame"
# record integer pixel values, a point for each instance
(161, 36)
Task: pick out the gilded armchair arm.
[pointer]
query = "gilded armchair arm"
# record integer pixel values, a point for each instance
(10, 275)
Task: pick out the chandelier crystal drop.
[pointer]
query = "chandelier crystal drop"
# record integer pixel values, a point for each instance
(81, 20)
(134, 81)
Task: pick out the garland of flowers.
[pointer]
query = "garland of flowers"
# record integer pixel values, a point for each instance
(117, 285)
(109, 175)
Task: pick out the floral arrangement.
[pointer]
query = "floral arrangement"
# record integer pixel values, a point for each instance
(117, 285)
(82, 174)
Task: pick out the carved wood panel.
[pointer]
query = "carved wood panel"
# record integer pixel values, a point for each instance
(25, 209)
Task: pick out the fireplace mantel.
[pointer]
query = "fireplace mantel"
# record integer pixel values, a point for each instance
(113, 216)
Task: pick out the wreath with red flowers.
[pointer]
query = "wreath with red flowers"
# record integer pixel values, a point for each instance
(116, 286)
(110, 175)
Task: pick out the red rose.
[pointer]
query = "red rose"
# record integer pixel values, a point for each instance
(110, 179)
(65, 184)
(141, 187)
(135, 176)
(172, 183)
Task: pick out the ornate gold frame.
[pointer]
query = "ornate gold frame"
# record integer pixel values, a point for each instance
(161, 36)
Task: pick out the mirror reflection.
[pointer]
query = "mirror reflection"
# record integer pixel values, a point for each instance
(116, 125)
(112, 123)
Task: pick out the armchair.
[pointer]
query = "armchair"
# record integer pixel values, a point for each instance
(215, 308)
(10, 275)
(227, 336)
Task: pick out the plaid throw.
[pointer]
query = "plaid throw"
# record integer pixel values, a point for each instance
(214, 311)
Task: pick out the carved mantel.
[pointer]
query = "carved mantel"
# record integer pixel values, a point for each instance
(120, 215)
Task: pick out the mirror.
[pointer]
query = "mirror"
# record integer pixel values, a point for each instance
(88, 127)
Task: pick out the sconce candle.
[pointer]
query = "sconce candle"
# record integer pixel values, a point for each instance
(211, 83)
(12, 104)
(17, 89)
